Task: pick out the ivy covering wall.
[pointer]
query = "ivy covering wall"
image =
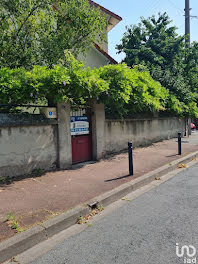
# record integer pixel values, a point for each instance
(124, 90)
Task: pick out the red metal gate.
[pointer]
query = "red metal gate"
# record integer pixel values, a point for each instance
(81, 134)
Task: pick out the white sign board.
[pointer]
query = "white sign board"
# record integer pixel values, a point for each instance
(79, 125)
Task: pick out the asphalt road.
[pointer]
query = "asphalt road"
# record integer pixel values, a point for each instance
(144, 231)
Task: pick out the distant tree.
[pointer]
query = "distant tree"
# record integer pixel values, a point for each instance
(156, 44)
(36, 32)
(191, 69)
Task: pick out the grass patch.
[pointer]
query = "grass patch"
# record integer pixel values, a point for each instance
(13, 223)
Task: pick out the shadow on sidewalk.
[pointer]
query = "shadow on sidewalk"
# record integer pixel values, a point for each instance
(78, 166)
(170, 156)
(118, 178)
(6, 181)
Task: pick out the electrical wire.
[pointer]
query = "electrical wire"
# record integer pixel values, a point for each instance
(175, 6)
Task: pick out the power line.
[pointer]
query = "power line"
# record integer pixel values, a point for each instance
(174, 5)
(149, 7)
(153, 5)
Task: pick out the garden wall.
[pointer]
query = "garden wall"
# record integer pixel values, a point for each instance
(40, 143)
(141, 132)
(26, 146)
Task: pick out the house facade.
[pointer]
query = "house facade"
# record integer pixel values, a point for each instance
(98, 55)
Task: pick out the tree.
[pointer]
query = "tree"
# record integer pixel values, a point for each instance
(156, 44)
(191, 69)
(131, 91)
(35, 32)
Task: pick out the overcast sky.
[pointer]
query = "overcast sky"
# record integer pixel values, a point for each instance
(131, 11)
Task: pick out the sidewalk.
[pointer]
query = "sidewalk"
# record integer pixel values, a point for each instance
(34, 200)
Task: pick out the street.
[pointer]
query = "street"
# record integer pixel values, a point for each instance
(143, 231)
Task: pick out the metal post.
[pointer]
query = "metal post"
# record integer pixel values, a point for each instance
(187, 22)
(130, 150)
(179, 144)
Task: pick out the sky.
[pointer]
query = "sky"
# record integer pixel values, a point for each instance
(131, 11)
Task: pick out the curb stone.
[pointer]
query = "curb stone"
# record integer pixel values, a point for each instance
(119, 192)
(29, 238)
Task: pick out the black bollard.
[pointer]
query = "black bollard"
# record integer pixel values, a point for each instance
(130, 150)
(179, 144)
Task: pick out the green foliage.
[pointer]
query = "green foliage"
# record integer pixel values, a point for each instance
(35, 32)
(125, 91)
(191, 69)
(84, 83)
(155, 44)
(9, 216)
(18, 86)
(36, 66)
(68, 81)
(12, 222)
(100, 208)
(131, 90)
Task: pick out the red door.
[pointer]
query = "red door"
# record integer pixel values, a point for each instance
(81, 135)
(81, 148)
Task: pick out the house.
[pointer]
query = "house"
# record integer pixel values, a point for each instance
(98, 55)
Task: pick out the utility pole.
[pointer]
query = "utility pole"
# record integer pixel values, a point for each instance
(187, 22)
(187, 41)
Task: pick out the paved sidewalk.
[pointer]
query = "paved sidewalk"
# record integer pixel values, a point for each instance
(143, 231)
(34, 200)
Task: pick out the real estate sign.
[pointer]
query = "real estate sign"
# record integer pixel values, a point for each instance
(79, 125)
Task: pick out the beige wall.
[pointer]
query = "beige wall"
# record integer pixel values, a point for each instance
(93, 59)
(141, 132)
(25, 148)
(103, 44)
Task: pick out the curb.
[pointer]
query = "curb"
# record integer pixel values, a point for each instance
(29, 238)
(119, 192)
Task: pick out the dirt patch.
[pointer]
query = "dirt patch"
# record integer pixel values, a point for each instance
(29, 219)
(6, 231)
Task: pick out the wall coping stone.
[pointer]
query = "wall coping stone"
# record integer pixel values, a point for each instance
(15, 120)
(141, 119)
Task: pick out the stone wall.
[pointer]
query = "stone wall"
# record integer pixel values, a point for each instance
(39, 143)
(26, 147)
(141, 132)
